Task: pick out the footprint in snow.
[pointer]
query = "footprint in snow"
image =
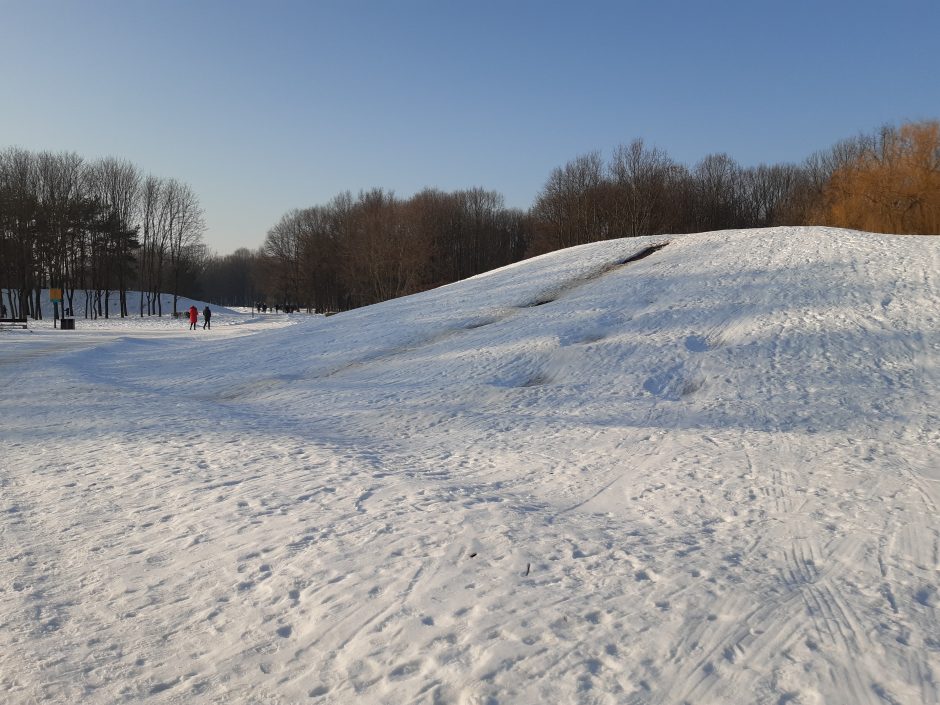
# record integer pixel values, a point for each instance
(697, 344)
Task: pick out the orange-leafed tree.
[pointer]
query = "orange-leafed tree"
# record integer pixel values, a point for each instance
(893, 185)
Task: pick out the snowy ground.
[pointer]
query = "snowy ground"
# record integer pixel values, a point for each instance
(710, 475)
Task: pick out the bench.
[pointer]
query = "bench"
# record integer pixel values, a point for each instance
(13, 323)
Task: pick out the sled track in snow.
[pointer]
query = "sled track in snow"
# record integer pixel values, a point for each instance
(556, 293)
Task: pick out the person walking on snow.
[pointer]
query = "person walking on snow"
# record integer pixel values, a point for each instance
(206, 318)
(193, 317)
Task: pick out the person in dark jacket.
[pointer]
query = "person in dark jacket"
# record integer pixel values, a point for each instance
(206, 318)
(193, 317)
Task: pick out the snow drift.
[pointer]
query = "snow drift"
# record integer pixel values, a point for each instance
(708, 475)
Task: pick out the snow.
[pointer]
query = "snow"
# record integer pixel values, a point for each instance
(706, 476)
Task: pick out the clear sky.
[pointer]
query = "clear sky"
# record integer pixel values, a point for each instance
(266, 106)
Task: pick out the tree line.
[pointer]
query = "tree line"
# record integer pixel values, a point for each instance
(99, 228)
(888, 182)
(103, 228)
(359, 250)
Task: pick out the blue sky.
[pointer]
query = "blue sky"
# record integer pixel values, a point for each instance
(267, 106)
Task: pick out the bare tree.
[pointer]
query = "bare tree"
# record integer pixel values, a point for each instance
(117, 184)
(643, 180)
(284, 255)
(569, 208)
(155, 244)
(381, 258)
(19, 216)
(718, 185)
(767, 194)
(186, 226)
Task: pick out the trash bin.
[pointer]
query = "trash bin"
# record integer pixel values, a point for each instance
(68, 323)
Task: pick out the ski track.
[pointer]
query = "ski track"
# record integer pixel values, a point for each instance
(665, 485)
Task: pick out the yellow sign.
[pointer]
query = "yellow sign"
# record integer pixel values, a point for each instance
(55, 294)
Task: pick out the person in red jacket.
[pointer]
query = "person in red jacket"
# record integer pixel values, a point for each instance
(193, 317)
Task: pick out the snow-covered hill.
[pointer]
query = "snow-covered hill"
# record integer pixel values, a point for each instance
(709, 475)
